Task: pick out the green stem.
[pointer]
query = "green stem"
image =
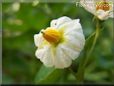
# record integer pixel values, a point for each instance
(73, 73)
(94, 42)
(94, 18)
(93, 34)
(84, 61)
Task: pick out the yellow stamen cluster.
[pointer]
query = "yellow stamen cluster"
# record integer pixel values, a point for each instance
(51, 35)
(103, 6)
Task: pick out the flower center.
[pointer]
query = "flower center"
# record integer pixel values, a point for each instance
(103, 5)
(51, 35)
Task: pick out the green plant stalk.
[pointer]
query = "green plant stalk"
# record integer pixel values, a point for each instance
(94, 42)
(93, 34)
(73, 73)
(84, 61)
(80, 73)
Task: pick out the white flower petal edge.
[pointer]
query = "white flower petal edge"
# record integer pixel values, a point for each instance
(89, 5)
(102, 14)
(38, 39)
(69, 49)
(44, 54)
(74, 36)
(57, 22)
(111, 14)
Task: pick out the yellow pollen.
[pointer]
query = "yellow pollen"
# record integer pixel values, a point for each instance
(51, 35)
(103, 6)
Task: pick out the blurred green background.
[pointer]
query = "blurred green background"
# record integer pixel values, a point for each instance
(22, 20)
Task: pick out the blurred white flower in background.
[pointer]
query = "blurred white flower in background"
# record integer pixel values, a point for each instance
(60, 43)
(103, 9)
(16, 6)
(35, 2)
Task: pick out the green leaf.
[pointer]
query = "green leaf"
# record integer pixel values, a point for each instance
(48, 75)
(96, 76)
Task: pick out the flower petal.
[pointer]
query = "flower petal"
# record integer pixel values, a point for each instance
(57, 22)
(73, 34)
(44, 54)
(61, 58)
(53, 23)
(38, 39)
(75, 43)
(111, 14)
(89, 5)
(70, 52)
(72, 26)
(74, 37)
(103, 15)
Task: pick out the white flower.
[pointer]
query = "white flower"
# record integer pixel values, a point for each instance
(103, 9)
(60, 43)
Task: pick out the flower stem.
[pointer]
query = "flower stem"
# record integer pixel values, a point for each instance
(84, 61)
(80, 72)
(94, 42)
(73, 73)
(93, 34)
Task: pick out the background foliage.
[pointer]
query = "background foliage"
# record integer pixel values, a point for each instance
(22, 20)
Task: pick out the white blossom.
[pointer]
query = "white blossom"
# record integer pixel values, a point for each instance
(60, 43)
(103, 9)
